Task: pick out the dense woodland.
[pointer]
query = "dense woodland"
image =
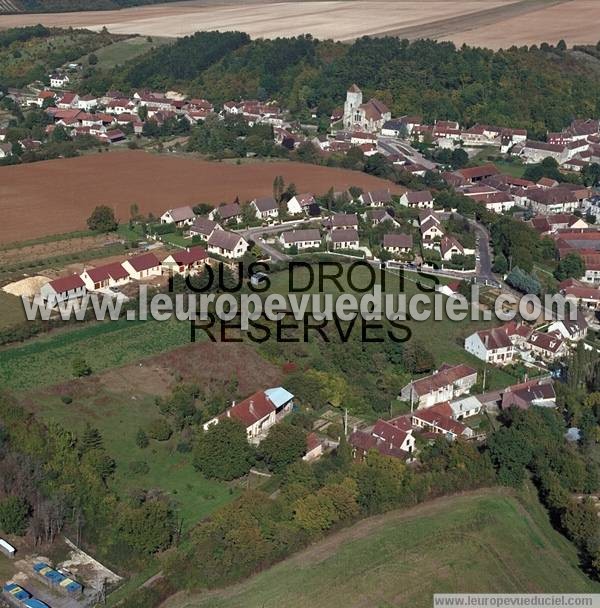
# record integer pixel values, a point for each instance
(534, 88)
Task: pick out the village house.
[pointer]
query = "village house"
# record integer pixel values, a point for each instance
(571, 329)
(369, 116)
(445, 384)
(465, 407)
(417, 200)
(62, 289)
(553, 200)
(378, 216)
(227, 244)
(314, 448)
(266, 207)
(343, 221)
(143, 266)
(301, 203)
(438, 420)
(388, 437)
(431, 232)
(548, 347)
(58, 81)
(67, 100)
(495, 201)
(227, 213)
(203, 227)
(583, 295)
(536, 151)
(376, 198)
(398, 244)
(491, 345)
(119, 106)
(449, 247)
(344, 239)
(301, 239)
(185, 261)
(259, 412)
(180, 216)
(538, 392)
(106, 276)
(476, 174)
(5, 150)
(87, 102)
(549, 224)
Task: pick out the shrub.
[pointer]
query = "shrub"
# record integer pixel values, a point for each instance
(159, 429)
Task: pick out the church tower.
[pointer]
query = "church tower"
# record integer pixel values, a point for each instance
(354, 99)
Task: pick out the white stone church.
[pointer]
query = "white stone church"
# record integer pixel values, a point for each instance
(369, 116)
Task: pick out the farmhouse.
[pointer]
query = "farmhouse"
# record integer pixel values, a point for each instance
(301, 203)
(376, 198)
(180, 216)
(417, 200)
(143, 266)
(398, 243)
(185, 261)
(301, 239)
(226, 213)
(345, 239)
(259, 412)
(109, 275)
(448, 382)
(266, 207)
(227, 244)
(63, 288)
(203, 227)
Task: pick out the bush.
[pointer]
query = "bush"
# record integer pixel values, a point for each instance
(139, 467)
(67, 399)
(159, 429)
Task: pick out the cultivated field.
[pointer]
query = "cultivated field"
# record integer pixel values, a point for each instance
(487, 541)
(493, 23)
(58, 196)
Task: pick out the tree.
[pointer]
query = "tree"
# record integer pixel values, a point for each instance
(92, 59)
(81, 368)
(148, 528)
(223, 452)
(14, 512)
(283, 445)
(92, 439)
(141, 439)
(159, 429)
(500, 264)
(102, 219)
(571, 266)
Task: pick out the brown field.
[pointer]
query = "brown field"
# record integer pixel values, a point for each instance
(57, 196)
(492, 23)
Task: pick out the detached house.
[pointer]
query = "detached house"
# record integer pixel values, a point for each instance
(431, 232)
(447, 383)
(548, 347)
(342, 221)
(62, 289)
(388, 437)
(266, 207)
(227, 244)
(185, 261)
(226, 213)
(491, 345)
(302, 239)
(417, 200)
(376, 198)
(203, 227)
(259, 412)
(143, 266)
(180, 216)
(109, 275)
(378, 216)
(301, 203)
(450, 247)
(573, 330)
(345, 239)
(397, 244)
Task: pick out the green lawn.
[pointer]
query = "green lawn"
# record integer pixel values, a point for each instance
(11, 310)
(444, 339)
(489, 542)
(48, 360)
(118, 53)
(118, 416)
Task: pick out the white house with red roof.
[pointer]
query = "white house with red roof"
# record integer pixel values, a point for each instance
(491, 345)
(447, 383)
(548, 347)
(300, 203)
(62, 289)
(106, 276)
(258, 412)
(185, 261)
(143, 266)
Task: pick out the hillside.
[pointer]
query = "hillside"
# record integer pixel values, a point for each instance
(60, 6)
(487, 541)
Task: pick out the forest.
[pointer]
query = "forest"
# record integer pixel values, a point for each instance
(537, 88)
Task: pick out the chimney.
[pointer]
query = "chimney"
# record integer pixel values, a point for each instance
(251, 408)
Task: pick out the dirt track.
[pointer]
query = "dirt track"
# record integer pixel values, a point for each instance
(57, 196)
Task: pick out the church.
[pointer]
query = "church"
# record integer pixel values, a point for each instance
(369, 116)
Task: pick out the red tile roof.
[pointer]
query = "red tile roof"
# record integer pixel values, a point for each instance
(252, 409)
(144, 262)
(113, 270)
(64, 284)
